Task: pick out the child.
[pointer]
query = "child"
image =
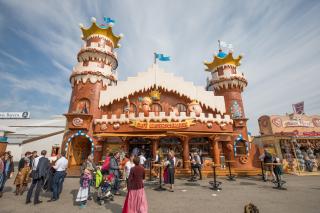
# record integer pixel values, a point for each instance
(22, 178)
(83, 192)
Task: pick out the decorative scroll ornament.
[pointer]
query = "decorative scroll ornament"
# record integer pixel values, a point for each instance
(77, 122)
(209, 125)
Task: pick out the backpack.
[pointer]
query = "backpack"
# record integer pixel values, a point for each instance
(106, 164)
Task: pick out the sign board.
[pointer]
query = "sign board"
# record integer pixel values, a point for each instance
(162, 125)
(14, 115)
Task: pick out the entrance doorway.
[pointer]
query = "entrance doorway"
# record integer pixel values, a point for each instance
(80, 149)
(171, 143)
(142, 145)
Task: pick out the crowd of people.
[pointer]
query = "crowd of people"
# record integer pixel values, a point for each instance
(36, 170)
(118, 172)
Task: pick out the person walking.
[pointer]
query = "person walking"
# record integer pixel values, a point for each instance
(33, 156)
(1, 171)
(39, 171)
(142, 159)
(7, 171)
(91, 166)
(127, 168)
(114, 169)
(21, 163)
(136, 201)
(266, 157)
(198, 164)
(60, 167)
(22, 179)
(10, 166)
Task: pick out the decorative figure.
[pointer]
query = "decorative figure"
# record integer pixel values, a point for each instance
(175, 110)
(127, 107)
(85, 109)
(194, 106)
(146, 102)
(236, 111)
(209, 125)
(155, 95)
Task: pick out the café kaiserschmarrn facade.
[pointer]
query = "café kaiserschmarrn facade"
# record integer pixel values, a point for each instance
(155, 109)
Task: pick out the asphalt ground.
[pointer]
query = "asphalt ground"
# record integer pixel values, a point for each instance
(302, 195)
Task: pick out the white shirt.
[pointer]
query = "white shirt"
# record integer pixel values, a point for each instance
(127, 168)
(142, 159)
(61, 164)
(35, 162)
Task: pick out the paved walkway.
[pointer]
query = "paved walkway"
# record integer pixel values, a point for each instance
(303, 195)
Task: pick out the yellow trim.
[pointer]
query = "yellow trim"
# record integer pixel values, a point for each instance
(95, 29)
(128, 135)
(217, 61)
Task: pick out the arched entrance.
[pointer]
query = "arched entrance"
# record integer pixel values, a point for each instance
(78, 147)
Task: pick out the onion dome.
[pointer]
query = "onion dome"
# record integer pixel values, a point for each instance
(104, 31)
(222, 59)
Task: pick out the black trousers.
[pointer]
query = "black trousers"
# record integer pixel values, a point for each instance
(38, 183)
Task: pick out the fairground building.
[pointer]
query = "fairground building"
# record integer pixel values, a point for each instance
(156, 109)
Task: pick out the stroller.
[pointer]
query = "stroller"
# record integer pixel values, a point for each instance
(104, 189)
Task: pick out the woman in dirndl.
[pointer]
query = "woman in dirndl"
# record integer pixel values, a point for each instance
(136, 200)
(170, 168)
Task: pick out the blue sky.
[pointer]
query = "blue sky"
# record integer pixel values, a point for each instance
(280, 41)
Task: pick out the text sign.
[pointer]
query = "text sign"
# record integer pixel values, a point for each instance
(162, 125)
(14, 115)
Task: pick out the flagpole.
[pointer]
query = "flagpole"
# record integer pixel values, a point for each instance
(155, 58)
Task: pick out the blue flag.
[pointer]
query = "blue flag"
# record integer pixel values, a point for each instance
(108, 20)
(162, 57)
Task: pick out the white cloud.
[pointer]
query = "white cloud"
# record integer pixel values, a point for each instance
(13, 58)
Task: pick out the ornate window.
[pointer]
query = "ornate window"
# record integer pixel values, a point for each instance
(156, 108)
(83, 106)
(181, 107)
(241, 148)
(132, 109)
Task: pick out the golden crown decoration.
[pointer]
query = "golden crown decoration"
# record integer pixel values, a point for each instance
(95, 29)
(155, 95)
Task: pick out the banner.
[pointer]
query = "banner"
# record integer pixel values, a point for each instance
(298, 108)
(14, 115)
(162, 125)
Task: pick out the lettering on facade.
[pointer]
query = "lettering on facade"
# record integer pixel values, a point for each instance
(297, 123)
(162, 125)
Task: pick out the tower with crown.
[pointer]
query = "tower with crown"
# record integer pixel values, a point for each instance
(228, 82)
(94, 72)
